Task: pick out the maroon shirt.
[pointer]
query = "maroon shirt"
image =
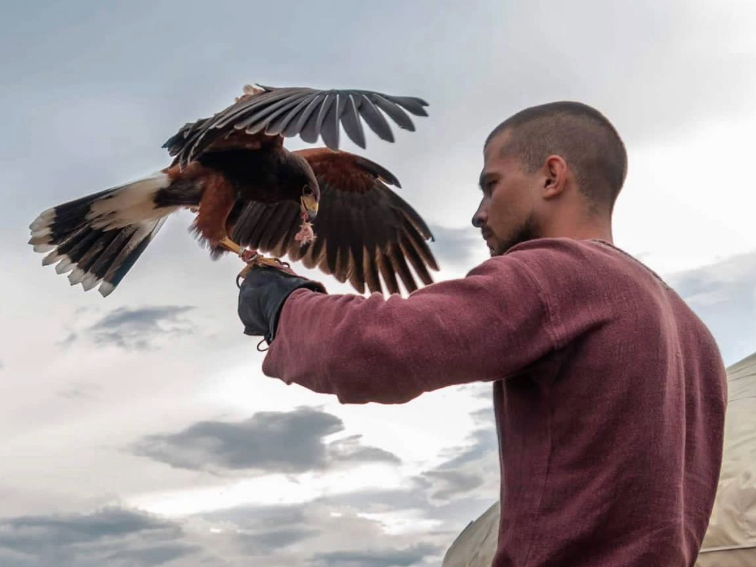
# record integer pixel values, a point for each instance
(609, 393)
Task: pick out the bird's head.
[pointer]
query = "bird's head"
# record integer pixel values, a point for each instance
(304, 187)
(309, 200)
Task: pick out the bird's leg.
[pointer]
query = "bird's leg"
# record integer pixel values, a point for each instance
(251, 257)
(272, 262)
(215, 205)
(230, 245)
(259, 262)
(246, 254)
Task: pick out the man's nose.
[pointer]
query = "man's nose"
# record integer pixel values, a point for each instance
(479, 219)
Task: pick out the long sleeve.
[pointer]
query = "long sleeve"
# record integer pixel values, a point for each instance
(483, 327)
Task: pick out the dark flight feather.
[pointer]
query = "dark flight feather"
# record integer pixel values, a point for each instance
(295, 111)
(365, 233)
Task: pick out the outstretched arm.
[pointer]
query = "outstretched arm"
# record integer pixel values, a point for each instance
(483, 327)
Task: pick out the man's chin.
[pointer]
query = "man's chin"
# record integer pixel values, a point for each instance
(497, 250)
(499, 247)
(502, 248)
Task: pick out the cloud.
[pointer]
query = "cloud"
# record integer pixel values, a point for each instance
(350, 450)
(80, 390)
(74, 393)
(453, 482)
(136, 328)
(270, 516)
(484, 443)
(473, 466)
(263, 530)
(376, 558)
(322, 532)
(458, 247)
(723, 295)
(273, 442)
(109, 537)
(140, 328)
(375, 501)
(271, 535)
(467, 468)
(267, 541)
(682, 62)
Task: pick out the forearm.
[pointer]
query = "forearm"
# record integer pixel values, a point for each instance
(391, 351)
(356, 348)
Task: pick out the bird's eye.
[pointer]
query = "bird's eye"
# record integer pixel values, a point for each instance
(307, 191)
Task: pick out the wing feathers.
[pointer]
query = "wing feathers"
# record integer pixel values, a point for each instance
(350, 119)
(281, 121)
(375, 120)
(294, 111)
(365, 233)
(328, 121)
(395, 112)
(300, 126)
(389, 277)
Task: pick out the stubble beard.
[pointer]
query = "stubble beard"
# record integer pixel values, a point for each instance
(528, 230)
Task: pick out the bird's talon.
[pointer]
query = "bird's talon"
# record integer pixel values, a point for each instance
(249, 255)
(259, 261)
(271, 262)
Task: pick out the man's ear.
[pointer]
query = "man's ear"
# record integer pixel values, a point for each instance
(555, 176)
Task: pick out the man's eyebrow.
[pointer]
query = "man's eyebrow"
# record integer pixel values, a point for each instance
(485, 178)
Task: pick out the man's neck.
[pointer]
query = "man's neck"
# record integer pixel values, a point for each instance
(594, 230)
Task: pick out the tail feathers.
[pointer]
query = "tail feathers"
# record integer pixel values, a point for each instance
(98, 238)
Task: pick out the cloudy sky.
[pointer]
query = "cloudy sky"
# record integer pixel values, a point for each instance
(138, 430)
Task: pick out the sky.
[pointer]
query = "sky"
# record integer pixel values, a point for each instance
(138, 430)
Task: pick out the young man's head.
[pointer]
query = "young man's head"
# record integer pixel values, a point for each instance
(549, 171)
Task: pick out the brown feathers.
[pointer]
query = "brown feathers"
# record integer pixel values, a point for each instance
(366, 234)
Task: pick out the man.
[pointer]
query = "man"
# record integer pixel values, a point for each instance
(609, 393)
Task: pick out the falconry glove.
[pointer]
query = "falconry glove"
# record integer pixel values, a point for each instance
(262, 295)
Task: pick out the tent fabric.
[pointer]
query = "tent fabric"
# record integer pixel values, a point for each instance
(730, 540)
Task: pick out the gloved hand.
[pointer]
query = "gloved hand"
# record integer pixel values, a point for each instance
(262, 294)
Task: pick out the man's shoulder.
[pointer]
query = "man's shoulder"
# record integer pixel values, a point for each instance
(569, 248)
(553, 254)
(568, 269)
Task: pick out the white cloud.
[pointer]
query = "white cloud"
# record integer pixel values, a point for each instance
(724, 296)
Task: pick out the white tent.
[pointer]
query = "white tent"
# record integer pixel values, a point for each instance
(731, 538)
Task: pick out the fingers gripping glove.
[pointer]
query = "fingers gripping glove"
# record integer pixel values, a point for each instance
(262, 295)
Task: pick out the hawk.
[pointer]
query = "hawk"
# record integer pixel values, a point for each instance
(322, 206)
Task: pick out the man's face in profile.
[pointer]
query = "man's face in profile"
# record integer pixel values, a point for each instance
(506, 215)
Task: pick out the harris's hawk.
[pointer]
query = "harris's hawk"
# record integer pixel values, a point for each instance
(249, 190)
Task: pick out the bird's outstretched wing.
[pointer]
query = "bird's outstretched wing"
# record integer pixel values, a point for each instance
(364, 230)
(298, 111)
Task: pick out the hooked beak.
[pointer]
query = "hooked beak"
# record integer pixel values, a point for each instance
(309, 206)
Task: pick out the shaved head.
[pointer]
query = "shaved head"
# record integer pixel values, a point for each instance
(581, 135)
